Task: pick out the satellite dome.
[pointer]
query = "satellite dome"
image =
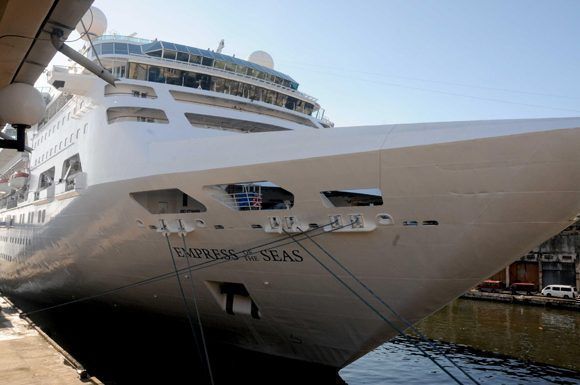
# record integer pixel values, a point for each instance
(95, 21)
(262, 58)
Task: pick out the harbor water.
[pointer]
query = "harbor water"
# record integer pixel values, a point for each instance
(496, 343)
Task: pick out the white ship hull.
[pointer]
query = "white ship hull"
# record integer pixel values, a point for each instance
(496, 189)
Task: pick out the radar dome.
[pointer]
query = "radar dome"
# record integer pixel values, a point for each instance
(95, 22)
(262, 58)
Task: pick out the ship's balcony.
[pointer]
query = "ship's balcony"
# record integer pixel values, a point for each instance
(44, 195)
(11, 202)
(72, 186)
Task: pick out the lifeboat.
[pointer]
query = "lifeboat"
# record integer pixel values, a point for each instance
(18, 180)
(4, 186)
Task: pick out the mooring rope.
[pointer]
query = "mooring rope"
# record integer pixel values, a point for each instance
(374, 310)
(390, 308)
(185, 305)
(203, 265)
(203, 342)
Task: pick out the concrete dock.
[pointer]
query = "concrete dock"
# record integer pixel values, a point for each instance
(535, 300)
(29, 356)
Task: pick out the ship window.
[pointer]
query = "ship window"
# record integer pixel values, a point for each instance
(352, 197)
(252, 196)
(138, 71)
(173, 76)
(252, 72)
(46, 179)
(230, 67)
(169, 201)
(229, 124)
(206, 61)
(190, 80)
(136, 114)
(107, 48)
(156, 74)
(195, 59)
(219, 64)
(121, 48)
(169, 54)
(135, 49)
(182, 56)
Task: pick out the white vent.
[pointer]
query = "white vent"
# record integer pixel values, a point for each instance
(548, 258)
(566, 258)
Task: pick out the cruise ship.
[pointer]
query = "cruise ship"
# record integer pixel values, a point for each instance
(223, 166)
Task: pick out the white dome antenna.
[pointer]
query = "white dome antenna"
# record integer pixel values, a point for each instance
(262, 58)
(95, 21)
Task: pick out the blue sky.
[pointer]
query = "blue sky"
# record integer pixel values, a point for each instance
(377, 62)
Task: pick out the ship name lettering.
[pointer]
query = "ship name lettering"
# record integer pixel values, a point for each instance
(268, 255)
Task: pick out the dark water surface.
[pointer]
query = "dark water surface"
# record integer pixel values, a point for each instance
(507, 345)
(399, 362)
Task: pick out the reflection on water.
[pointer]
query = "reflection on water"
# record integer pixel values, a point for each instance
(538, 334)
(399, 362)
(123, 348)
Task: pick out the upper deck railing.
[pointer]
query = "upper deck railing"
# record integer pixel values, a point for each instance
(129, 40)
